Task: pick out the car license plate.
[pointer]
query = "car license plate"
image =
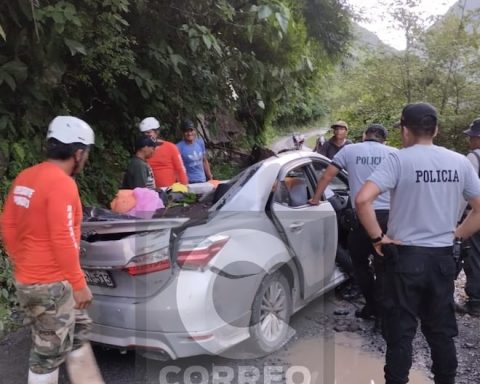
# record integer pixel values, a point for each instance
(99, 278)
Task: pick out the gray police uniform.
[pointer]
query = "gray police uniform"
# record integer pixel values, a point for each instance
(360, 160)
(472, 262)
(426, 183)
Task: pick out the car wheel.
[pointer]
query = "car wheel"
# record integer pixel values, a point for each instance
(271, 311)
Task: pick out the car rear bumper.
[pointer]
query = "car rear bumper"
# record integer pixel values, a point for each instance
(192, 315)
(164, 346)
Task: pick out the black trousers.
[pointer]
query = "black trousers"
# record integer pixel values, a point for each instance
(472, 269)
(360, 248)
(419, 283)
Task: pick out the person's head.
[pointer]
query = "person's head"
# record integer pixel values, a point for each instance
(375, 132)
(298, 140)
(340, 129)
(149, 127)
(68, 141)
(145, 147)
(188, 130)
(418, 121)
(473, 133)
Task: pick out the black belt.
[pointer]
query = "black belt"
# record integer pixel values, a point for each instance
(426, 250)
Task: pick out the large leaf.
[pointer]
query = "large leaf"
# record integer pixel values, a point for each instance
(2, 33)
(282, 21)
(207, 40)
(75, 47)
(17, 69)
(5, 77)
(264, 11)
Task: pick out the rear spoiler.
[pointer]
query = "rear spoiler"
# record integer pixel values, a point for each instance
(130, 226)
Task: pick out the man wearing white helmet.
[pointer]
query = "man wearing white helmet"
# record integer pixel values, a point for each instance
(166, 162)
(41, 231)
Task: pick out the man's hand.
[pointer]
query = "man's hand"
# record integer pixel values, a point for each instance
(313, 201)
(83, 297)
(385, 240)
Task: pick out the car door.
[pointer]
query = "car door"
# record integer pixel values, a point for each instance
(311, 231)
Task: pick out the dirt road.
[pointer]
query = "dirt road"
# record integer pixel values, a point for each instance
(286, 142)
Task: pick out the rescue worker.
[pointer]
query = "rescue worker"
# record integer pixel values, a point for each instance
(426, 183)
(360, 160)
(41, 232)
(336, 142)
(472, 262)
(166, 162)
(139, 174)
(194, 155)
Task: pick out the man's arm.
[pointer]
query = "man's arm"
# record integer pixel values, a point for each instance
(178, 165)
(364, 206)
(322, 184)
(8, 229)
(60, 209)
(471, 224)
(206, 167)
(366, 214)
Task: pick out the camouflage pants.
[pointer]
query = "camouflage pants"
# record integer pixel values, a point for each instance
(57, 328)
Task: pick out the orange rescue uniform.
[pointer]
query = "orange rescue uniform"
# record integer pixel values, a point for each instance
(41, 226)
(167, 165)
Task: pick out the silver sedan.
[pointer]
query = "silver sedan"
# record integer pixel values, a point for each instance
(177, 287)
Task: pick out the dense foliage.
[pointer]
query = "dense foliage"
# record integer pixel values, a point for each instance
(439, 65)
(113, 62)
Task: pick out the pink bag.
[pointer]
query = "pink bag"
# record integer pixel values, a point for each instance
(148, 201)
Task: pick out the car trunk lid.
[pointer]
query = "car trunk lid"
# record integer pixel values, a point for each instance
(127, 257)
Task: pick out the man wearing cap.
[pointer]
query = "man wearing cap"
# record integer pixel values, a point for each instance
(194, 155)
(336, 142)
(427, 183)
(139, 174)
(472, 262)
(166, 162)
(359, 160)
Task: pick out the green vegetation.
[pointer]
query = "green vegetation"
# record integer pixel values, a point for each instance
(440, 65)
(113, 62)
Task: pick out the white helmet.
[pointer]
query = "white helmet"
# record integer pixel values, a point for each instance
(69, 129)
(148, 124)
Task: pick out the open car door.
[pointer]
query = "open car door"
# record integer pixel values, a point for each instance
(311, 231)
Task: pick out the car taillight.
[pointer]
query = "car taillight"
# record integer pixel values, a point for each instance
(150, 262)
(199, 254)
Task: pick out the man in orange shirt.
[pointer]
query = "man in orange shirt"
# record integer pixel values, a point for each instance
(166, 162)
(41, 231)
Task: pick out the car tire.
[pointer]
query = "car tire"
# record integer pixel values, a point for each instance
(271, 311)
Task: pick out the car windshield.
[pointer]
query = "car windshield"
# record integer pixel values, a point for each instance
(232, 186)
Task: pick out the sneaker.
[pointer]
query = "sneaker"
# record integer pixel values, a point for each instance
(365, 313)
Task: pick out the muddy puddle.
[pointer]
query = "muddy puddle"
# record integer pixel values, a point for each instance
(339, 359)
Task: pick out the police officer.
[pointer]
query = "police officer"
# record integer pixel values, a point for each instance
(359, 160)
(41, 232)
(426, 183)
(472, 262)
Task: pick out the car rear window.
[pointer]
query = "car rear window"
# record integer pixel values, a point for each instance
(226, 191)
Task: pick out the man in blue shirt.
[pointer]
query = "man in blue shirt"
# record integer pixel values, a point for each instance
(194, 155)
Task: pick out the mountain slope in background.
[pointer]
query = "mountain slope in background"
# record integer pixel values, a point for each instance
(470, 5)
(364, 37)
